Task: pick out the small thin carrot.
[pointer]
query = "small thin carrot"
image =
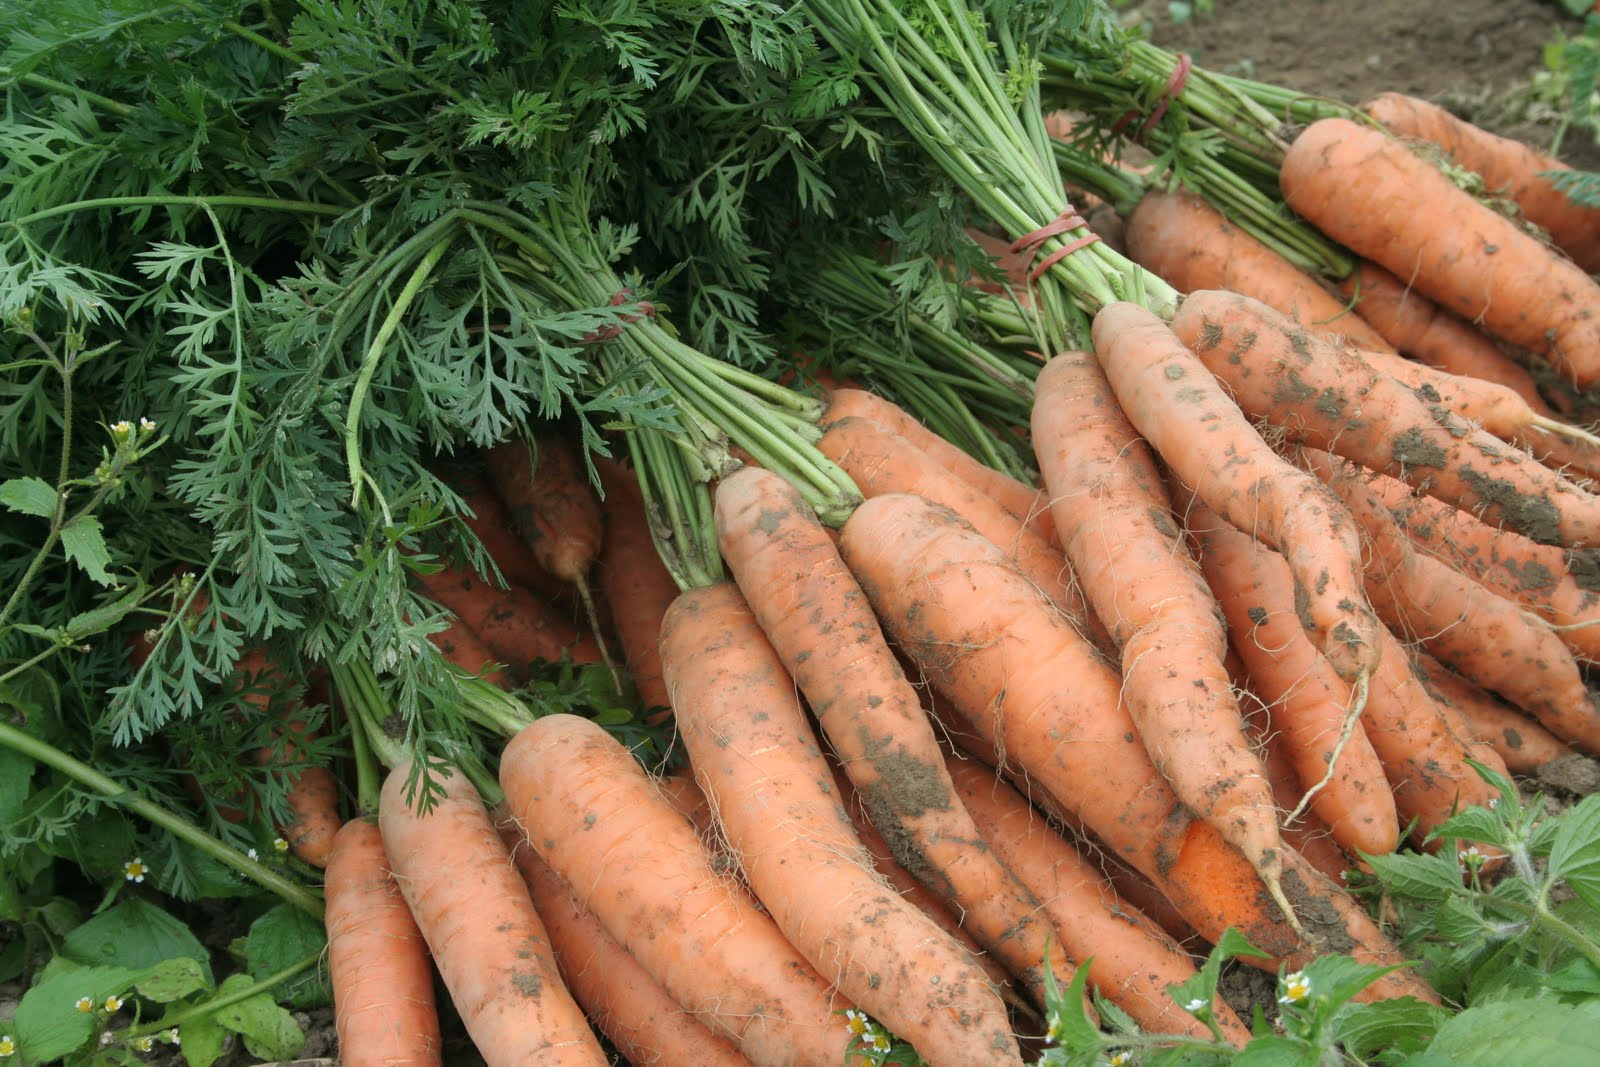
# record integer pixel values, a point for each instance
(312, 792)
(1521, 741)
(1371, 193)
(518, 627)
(378, 965)
(461, 646)
(759, 763)
(1193, 246)
(1172, 399)
(631, 859)
(1131, 960)
(635, 583)
(480, 924)
(1312, 837)
(1509, 169)
(1328, 397)
(627, 1005)
(491, 523)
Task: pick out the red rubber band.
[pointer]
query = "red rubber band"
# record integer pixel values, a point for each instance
(1175, 85)
(1032, 242)
(606, 333)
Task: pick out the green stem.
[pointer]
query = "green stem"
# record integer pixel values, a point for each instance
(28, 745)
(52, 85)
(270, 203)
(211, 1007)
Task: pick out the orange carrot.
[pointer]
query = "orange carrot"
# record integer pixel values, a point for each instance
(1521, 741)
(1330, 398)
(1509, 169)
(1312, 837)
(1421, 329)
(821, 626)
(313, 792)
(1307, 702)
(491, 523)
(551, 503)
(487, 941)
(458, 644)
(1372, 194)
(1193, 246)
(518, 627)
(1116, 523)
(1022, 502)
(596, 819)
(1034, 690)
(757, 760)
(627, 1005)
(378, 964)
(1173, 401)
(1131, 960)
(635, 583)
(881, 461)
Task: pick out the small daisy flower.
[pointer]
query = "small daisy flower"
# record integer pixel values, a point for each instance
(1296, 987)
(144, 1044)
(85, 1005)
(280, 844)
(121, 429)
(856, 1022)
(1196, 1005)
(113, 1003)
(1494, 802)
(8, 1046)
(146, 426)
(134, 870)
(251, 853)
(1471, 856)
(171, 1036)
(1121, 1059)
(881, 1042)
(106, 1037)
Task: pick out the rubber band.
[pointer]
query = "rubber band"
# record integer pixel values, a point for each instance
(1177, 81)
(606, 333)
(1030, 243)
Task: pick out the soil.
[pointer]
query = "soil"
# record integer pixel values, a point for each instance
(1477, 57)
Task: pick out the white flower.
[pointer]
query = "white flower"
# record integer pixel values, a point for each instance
(251, 853)
(144, 1044)
(172, 1036)
(85, 1004)
(8, 1046)
(856, 1022)
(1472, 857)
(881, 1042)
(1121, 1059)
(113, 1003)
(1296, 987)
(122, 428)
(280, 844)
(134, 870)
(146, 426)
(1195, 1005)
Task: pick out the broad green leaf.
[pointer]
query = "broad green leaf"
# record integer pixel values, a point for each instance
(1530, 1031)
(1277, 1052)
(174, 978)
(1575, 853)
(30, 496)
(282, 937)
(16, 777)
(1069, 1022)
(1458, 921)
(1578, 975)
(1403, 1023)
(269, 1031)
(1472, 824)
(49, 1022)
(135, 933)
(1203, 986)
(85, 545)
(1417, 876)
(200, 1039)
(1336, 979)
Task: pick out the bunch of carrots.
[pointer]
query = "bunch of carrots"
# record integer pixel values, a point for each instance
(1298, 557)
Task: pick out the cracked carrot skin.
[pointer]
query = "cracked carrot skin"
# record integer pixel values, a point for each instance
(1171, 397)
(636, 863)
(1032, 688)
(758, 760)
(1330, 398)
(819, 622)
(1406, 215)
(486, 939)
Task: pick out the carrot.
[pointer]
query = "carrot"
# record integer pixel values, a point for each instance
(378, 964)
(1509, 169)
(627, 1005)
(1372, 194)
(1022, 502)
(1034, 690)
(1308, 705)
(1131, 960)
(1176, 405)
(595, 818)
(1193, 246)
(1484, 636)
(822, 628)
(1330, 398)
(1521, 742)
(312, 793)
(1312, 837)
(515, 625)
(463, 648)
(635, 583)
(491, 524)
(1421, 329)
(486, 938)
(757, 760)
(1562, 587)
(881, 461)
(1116, 522)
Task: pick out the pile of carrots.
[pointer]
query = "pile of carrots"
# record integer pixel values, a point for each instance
(1297, 559)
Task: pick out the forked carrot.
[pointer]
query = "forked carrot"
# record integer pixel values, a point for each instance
(481, 927)
(378, 966)
(597, 820)
(822, 627)
(1115, 521)
(1371, 193)
(760, 765)
(1194, 246)
(1033, 689)
(1509, 169)
(1330, 398)
(1131, 960)
(1172, 399)
(627, 1005)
